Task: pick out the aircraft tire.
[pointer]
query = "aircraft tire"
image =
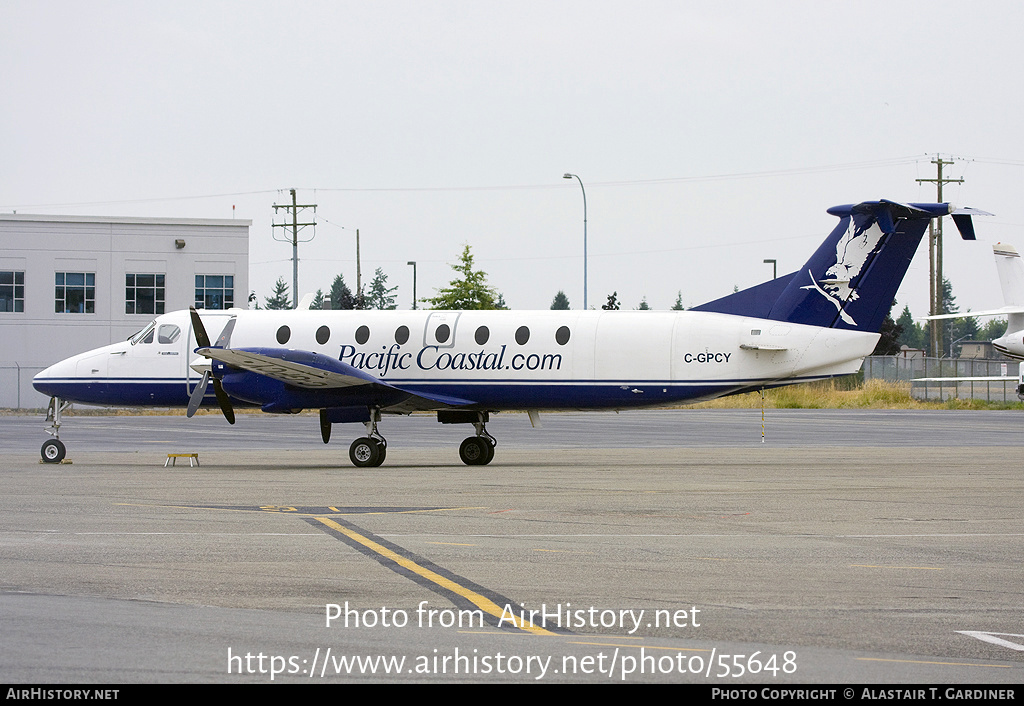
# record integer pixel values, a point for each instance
(476, 451)
(53, 451)
(490, 451)
(365, 453)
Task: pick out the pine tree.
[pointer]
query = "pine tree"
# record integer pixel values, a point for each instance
(469, 291)
(678, 306)
(644, 306)
(279, 299)
(912, 335)
(380, 297)
(341, 295)
(318, 301)
(613, 302)
(560, 302)
(889, 343)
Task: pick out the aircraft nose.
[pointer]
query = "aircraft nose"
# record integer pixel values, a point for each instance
(53, 380)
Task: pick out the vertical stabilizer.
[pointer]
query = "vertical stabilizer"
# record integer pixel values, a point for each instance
(850, 282)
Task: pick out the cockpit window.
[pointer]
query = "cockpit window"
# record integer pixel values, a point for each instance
(168, 333)
(145, 335)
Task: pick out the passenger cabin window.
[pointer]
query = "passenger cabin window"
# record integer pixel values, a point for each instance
(562, 335)
(402, 335)
(442, 333)
(362, 334)
(323, 335)
(522, 335)
(483, 334)
(283, 334)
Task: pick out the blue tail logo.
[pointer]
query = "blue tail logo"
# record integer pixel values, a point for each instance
(851, 280)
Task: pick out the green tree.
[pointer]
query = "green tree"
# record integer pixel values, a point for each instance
(468, 291)
(318, 300)
(889, 343)
(912, 334)
(380, 296)
(341, 295)
(992, 330)
(500, 302)
(952, 330)
(644, 306)
(678, 306)
(279, 299)
(613, 302)
(560, 302)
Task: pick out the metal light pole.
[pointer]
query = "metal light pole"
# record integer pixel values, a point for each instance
(567, 175)
(413, 263)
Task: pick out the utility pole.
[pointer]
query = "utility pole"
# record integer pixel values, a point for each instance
(935, 287)
(294, 208)
(360, 301)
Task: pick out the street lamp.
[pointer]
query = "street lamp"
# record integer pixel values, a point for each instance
(567, 175)
(773, 266)
(413, 263)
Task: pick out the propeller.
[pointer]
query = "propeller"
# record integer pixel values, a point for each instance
(203, 339)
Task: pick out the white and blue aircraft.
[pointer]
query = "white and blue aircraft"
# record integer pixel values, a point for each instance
(355, 366)
(1010, 270)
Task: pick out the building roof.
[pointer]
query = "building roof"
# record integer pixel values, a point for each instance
(126, 220)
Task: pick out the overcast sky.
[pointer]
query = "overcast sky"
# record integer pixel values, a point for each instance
(709, 136)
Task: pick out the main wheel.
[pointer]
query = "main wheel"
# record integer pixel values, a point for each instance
(53, 451)
(490, 451)
(476, 451)
(365, 453)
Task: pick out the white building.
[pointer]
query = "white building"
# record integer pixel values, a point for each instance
(72, 283)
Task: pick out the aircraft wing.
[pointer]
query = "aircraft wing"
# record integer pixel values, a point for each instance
(313, 371)
(299, 368)
(1004, 311)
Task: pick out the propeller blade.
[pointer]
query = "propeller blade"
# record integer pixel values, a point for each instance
(224, 401)
(197, 395)
(198, 329)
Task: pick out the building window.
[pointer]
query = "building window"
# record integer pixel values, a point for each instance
(12, 291)
(215, 291)
(75, 293)
(144, 294)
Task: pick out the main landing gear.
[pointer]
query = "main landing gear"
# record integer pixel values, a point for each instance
(53, 450)
(478, 450)
(372, 449)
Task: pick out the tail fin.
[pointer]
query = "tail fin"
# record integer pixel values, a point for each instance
(1010, 268)
(850, 282)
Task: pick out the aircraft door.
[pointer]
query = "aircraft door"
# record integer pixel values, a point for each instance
(440, 329)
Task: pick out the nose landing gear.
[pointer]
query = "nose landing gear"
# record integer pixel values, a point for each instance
(53, 450)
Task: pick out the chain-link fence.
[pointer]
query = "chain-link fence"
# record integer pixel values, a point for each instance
(16, 391)
(921, 372)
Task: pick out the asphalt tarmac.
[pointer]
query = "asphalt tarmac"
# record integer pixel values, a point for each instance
(672, 546)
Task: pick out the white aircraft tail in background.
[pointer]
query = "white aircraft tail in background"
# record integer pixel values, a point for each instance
(1010, 269)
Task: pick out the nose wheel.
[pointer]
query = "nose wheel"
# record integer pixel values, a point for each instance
(53, 450)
